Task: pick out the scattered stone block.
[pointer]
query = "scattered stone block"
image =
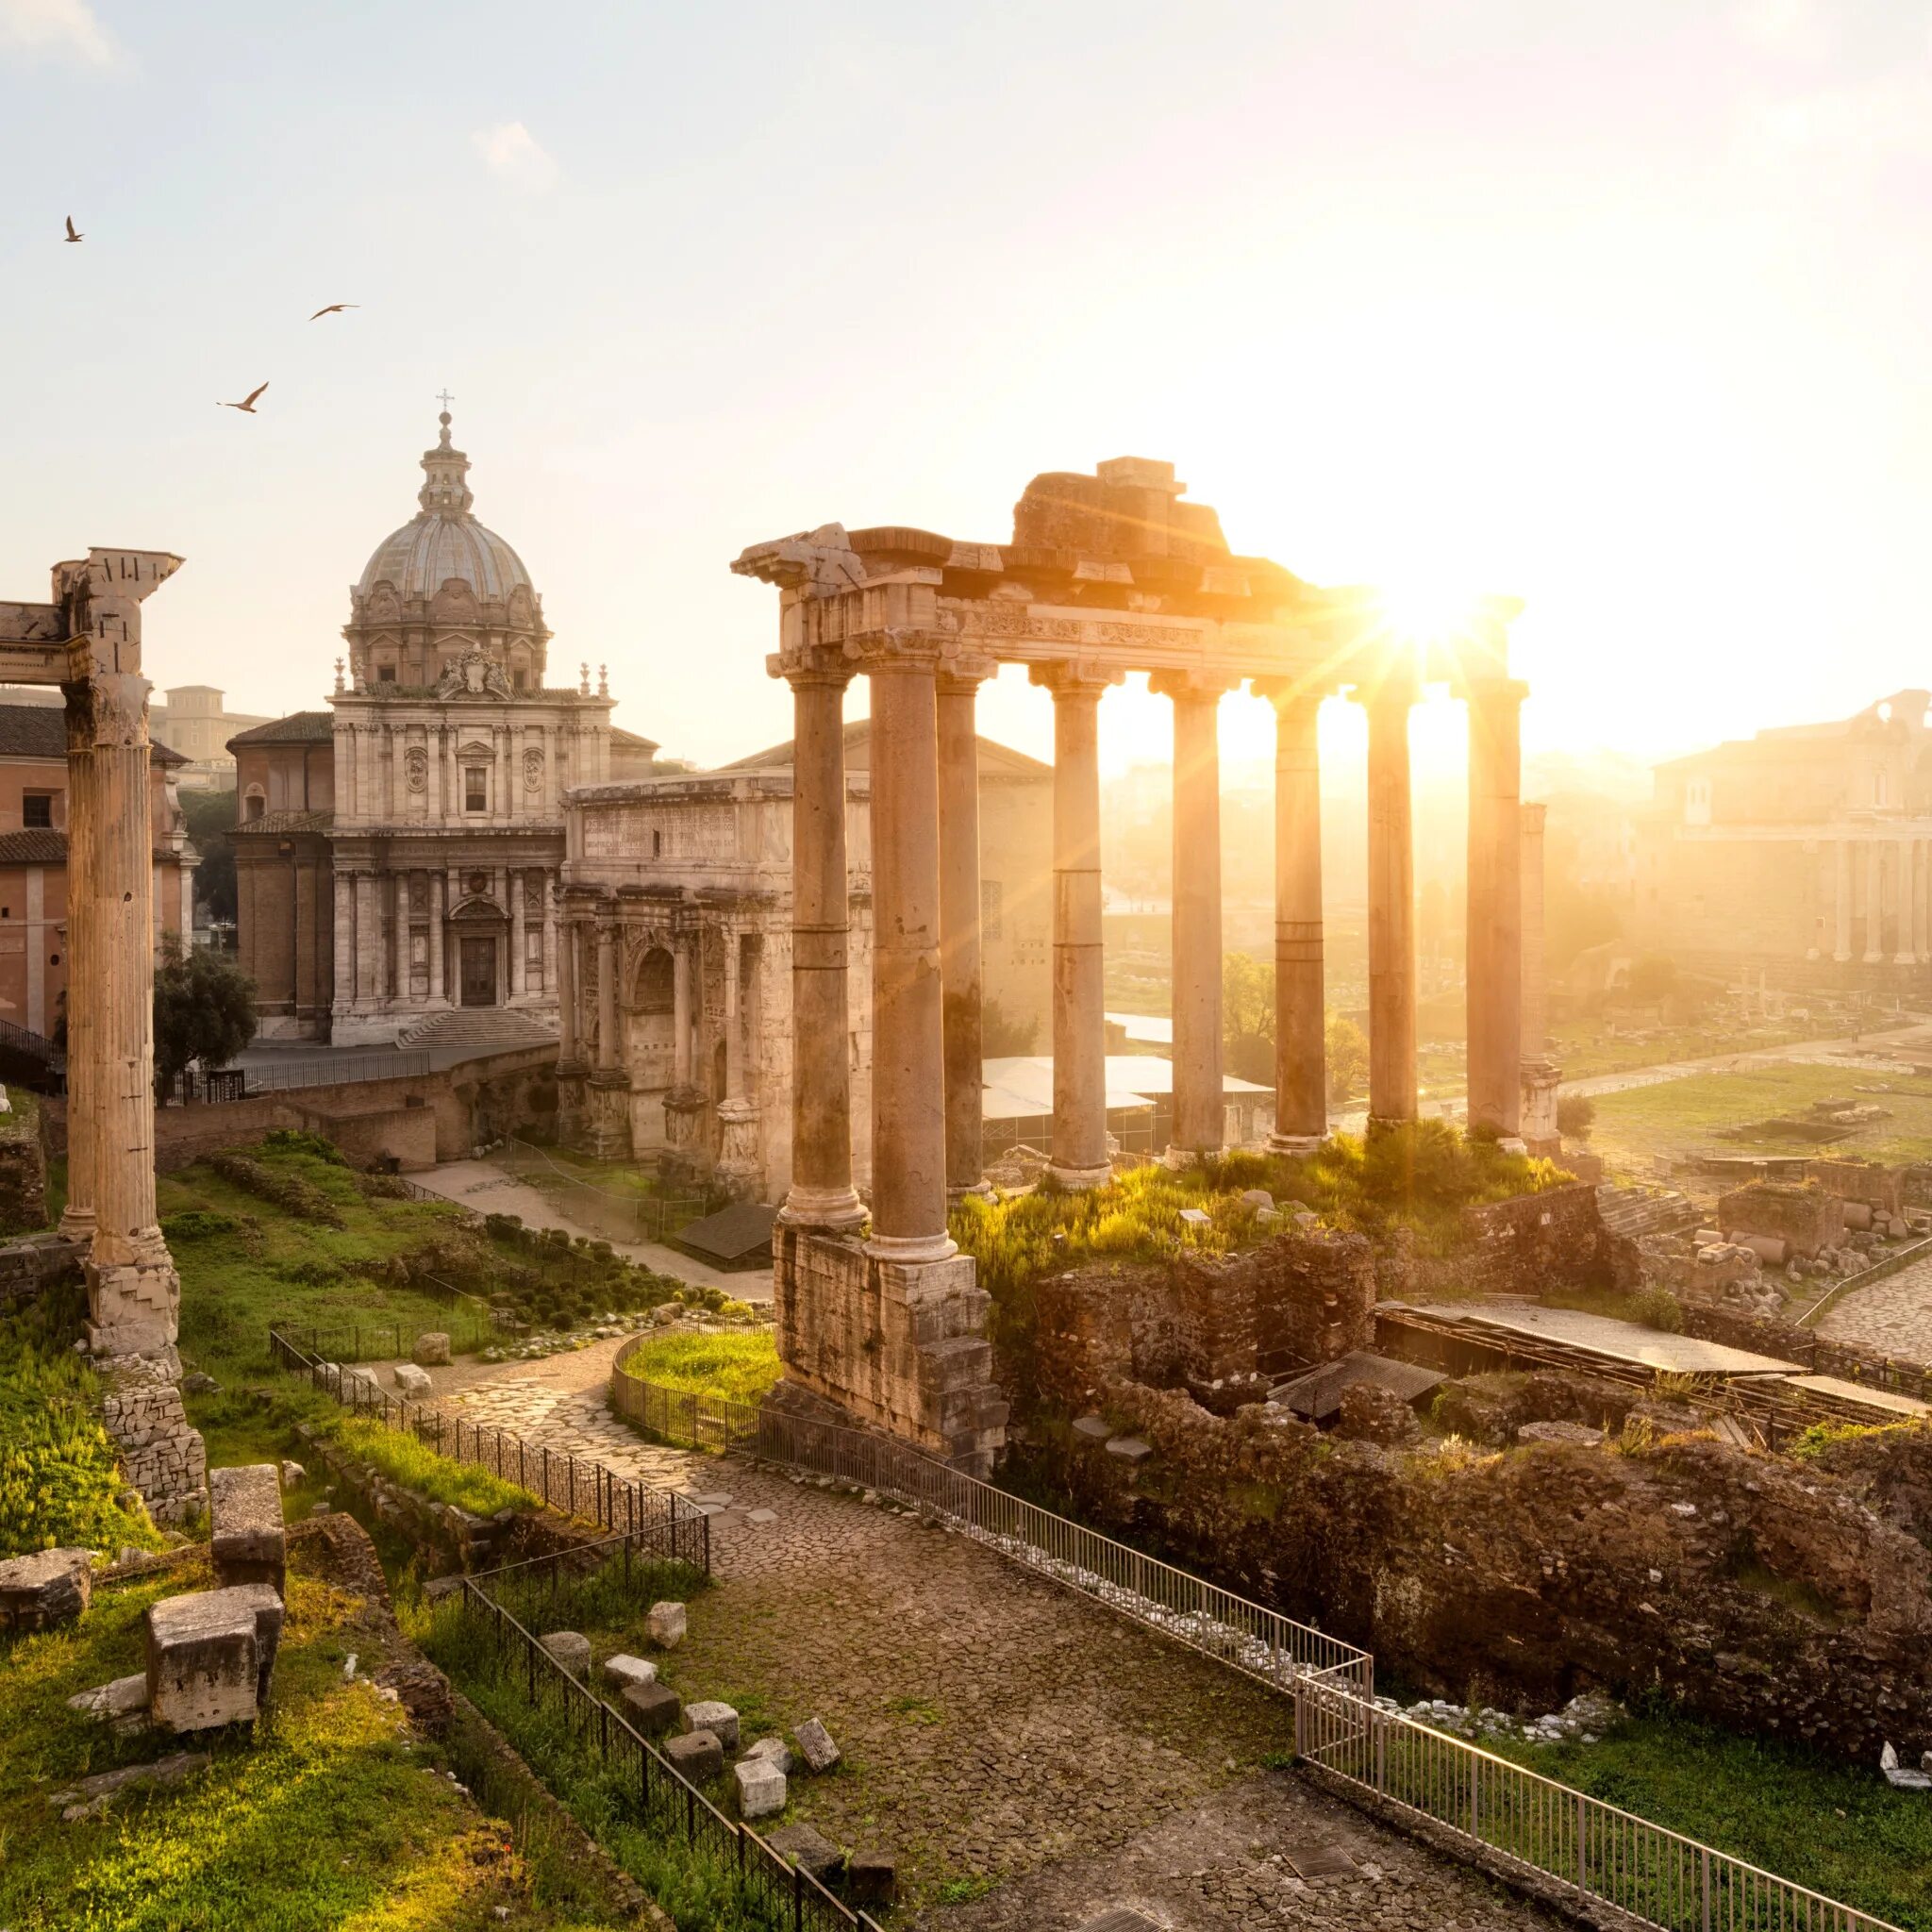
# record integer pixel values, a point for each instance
(293, 1473)
(199, 1384)
(50, 1586)
(1195, 1217)
(809, 1849)
(438, 1589)
(431, 1350)
(653, 1707)
(665, 1625)
(815, 1746)
(698, 1755)
(92, 1796)
(872, 1879)
(760, 1787)
(202, 1662)
(719, 1719)
(1094, 1428)
(1579, 1432)
(665, 1313)
(246, 1538)
(1901, 1775)
(1129, 1448)
(775, 1750)
(1258, 1197)
(412, 1384)
(572, 1650)
(761, 1516)
(621, 1670)
(122, 1705)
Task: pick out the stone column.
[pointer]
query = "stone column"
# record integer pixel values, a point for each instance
(517, 940)
(909, 1111)
(83, 1051)
(959, 960)
(608, 1058)
(1493, 979)
(608, 1085)
(1535, 982)
(1391, 906)
(680, 1020)
(821, 1194)
(368, 941)
(1301, 1052)
(438, 884)
(1079, 1019)
(1841, 908)
(546, 884)
(345, 942)
(1921, 901)
(1198, 1088)
(398, 774)
(1875, 901)
(567, 999)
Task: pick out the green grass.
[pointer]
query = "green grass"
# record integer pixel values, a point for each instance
(1843, 1831)
(738, 1368)
(1586, 1047)
(417, 1467)
(59, 1477)
(331, 1817)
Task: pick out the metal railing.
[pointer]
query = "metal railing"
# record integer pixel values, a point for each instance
(1512, 1818)
(615, 1214)
(268, 1076)
(576, 1485)
(663, 1798)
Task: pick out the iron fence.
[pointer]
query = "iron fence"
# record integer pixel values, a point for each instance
(664, 1798)
(676, 1529)
(377, 1342)
(1511, 1816)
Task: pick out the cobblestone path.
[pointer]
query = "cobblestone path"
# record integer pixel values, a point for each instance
(1892, 1316)
(1023, 1753)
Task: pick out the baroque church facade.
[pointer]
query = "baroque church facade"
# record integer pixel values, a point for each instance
(398, 856)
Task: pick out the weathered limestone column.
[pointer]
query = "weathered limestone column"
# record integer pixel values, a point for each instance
(437, 885)
(567, 1001)
(1079, 1018)
(608, 1060)
(739, 1165)
(680, 1014)
(959, 964)
(368, 941)
(1301, 1053)
(1841, 909)
(345, 942)
(909, 1108)
(1875, 901)
(83, 1051)
(1536, 977)
(1198, 1088)
(1391, 906)
(1493, 981)
(545, 885)
(608, 1088)
(821, 1194)
(517, 938)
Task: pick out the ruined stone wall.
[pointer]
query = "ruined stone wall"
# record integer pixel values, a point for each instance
(1860, 1180)
(23, 1167)
(1522, 1246)
(29, 1267)
(1759, 1593)
(1806, 1218)
(901, 1346)
(161, 1454)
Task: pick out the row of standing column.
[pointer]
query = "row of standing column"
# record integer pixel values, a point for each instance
(374, 771)
(1898, 881)
(373, 927)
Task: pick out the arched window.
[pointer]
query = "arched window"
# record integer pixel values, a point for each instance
(656, 988)
(254, 805)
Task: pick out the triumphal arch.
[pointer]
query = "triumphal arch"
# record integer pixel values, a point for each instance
(1106, 575)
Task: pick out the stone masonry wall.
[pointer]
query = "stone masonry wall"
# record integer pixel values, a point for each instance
(160, 1453)
(1860, 1180)
(1764, 1594)
(23, 1167)
(902, 1346)
(1521, 1246)
(1806, 1218)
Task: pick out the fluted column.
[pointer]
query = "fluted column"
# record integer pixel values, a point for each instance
(1493, 979)
(680, 1022)
(821, 1194)
(608, 1060)
(567, 997)
(438, 884)
(1198, 1110)
(344, 941)
(1079, 1018)
(1875, 901)
(1301, 1073)
(368, 941)
(1842, 906)
(517, 940)
(959, 952)
(908, 1114)
(1391, 906)
(83, 1050)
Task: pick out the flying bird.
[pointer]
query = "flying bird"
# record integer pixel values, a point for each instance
(247, 408)
(74, 234)
(333, 309)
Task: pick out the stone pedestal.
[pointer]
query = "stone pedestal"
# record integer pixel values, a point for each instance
(740, 1169)
(573, 1104)
(1538, 1108)
(606, 1110)
(687, 1144)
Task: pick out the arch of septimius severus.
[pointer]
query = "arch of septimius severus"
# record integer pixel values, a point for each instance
(1106, 575)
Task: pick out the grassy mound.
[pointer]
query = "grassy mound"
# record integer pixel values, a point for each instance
(738, 1368)
(413, 1464)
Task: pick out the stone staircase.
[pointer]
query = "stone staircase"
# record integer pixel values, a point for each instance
(1636, 1212)
(477, 1026)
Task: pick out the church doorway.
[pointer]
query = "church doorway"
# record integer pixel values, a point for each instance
(478, 971)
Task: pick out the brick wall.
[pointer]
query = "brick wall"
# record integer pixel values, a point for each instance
(1526, 1245)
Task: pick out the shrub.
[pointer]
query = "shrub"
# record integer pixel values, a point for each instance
(300, 1140)
(1657, 1308)
(1575, 1115)
(198, 1224)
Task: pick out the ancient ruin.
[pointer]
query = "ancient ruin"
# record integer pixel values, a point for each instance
(1106, 575)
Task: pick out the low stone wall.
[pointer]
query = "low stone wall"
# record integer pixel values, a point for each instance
(901, 1346)
(1807, 1218)
(161, 1454)
(1526, 1245)
(41, 1261)
(1860, 1180)
(1754, 1592)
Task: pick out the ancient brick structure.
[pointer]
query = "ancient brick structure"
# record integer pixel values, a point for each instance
(1808, 1218)
(1526, 1245)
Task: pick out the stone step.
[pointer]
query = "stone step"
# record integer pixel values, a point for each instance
(1636, 1212)
(477, 1026)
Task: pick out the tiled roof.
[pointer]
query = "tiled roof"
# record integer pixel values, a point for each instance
(298, 727)
(630, 740)
(35, 846)
(995, 760)
(40, 731)
(284, 821)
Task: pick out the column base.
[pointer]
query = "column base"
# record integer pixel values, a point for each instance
(1077, 1180)
(1297, 1144)
(1183, 1158)
(134, 1307)
(1841, 958)
(979, 1190)
(606, 1125)
(911, 1247)
(1511, 1143)
(1875, 958)
(829, 1210)
(1388, 1123)
(739, 1168)
(1904, 958)
(77, 1225)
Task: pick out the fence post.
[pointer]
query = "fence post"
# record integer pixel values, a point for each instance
(1582, 1846)
(1703, 1862)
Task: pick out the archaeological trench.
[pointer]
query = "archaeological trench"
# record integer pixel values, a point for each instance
(1499, 1508)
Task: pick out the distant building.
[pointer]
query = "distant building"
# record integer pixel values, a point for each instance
(198, 727)
(397, 858)
(1805, 852)
(33, 861)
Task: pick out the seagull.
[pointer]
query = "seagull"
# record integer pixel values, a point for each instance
(247, 407)
(333, 309)
(74, 234)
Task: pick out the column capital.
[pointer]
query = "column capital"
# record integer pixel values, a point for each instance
(898, 650)
(814, 669)
(1292, 694)
(1074, 678)
(961, 676)
(1192, 687)
(1397, 690)
(1492, 692)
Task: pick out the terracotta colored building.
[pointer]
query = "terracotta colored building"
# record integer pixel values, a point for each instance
(33, 862)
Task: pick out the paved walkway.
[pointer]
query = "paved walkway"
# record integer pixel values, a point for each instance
(491, 1190)
(1892, 1317)
(1012, 1744)
(1913, 1035)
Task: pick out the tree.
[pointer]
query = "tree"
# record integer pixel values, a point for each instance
(204, 1010)
(1575, 1115)
(1652, 977)
(211, 818)
(1005, 1035)
(1347, 1047)
(1247, 1017)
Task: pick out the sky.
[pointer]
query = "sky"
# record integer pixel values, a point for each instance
(1619, 307)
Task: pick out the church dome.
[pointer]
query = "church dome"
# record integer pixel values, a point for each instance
(444, 541)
